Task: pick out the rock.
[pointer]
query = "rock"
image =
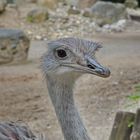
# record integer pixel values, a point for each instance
(3, 4)
(73, 10)
(108, 12)
(85, 3)
(10, 1)
(134, 14)
(72, 2)
(31, 1)
(38, 15)
(12, 5)
(21, 2)
(38, 37)
(115, 27)
(50, 4)
(81, 4)
(14, 46)
(131, 3)
(87, 13)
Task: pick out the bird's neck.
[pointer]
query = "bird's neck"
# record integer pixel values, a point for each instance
(61, 93)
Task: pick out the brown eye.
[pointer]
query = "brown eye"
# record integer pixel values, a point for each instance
(61, 53)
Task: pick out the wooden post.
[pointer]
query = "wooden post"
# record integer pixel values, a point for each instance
(122, 127)
(136, 128)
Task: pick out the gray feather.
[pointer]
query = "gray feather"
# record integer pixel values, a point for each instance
(16, 131)
(75, 43)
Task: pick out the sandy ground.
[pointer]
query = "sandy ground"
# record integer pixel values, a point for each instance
(24, 97)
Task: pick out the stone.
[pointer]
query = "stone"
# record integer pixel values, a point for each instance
(19, 2)
(72, 2)
(38, 15)
(108, 12)
(31, 1)
(73, 10)
(115, 27)
(10, 1)
(38, 37)
(131, 3)
(134, 14)
(85, 3)
(50, 4)
(87, 13)
(81, 4)
(14, 46)
(3, 4)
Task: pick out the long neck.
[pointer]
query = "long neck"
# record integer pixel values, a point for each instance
(61, 94)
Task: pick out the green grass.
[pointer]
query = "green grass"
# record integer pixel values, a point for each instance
(136, 94)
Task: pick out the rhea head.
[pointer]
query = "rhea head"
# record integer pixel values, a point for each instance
(72, 56)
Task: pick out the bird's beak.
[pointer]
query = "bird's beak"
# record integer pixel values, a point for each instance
(91, 66)
(95, 68)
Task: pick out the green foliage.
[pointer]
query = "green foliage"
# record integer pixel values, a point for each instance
(38, 15)
(137, 87)
(30, 19)
(131, 124)
(136, 95)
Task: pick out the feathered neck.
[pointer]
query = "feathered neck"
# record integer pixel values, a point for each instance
(61, 94)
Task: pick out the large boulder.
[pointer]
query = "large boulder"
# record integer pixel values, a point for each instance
(3, 4)
(108, 12)
(134, 14)
(14, 46)
(80, 3)
(38, 15)
(131, 3)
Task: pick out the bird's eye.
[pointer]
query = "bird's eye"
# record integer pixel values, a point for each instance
(61, 53)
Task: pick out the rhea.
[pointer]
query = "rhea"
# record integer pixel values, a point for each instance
(64, 62)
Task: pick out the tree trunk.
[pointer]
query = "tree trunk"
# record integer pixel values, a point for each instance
(122, 127)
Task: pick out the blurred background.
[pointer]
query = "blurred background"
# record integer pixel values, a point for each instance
(26, 26)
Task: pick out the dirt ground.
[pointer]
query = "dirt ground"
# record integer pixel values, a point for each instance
(24, 97)
(23, 93)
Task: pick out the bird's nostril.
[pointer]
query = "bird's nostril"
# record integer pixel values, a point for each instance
(90, 66)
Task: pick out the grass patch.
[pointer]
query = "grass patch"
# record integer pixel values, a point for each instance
(136, 94)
